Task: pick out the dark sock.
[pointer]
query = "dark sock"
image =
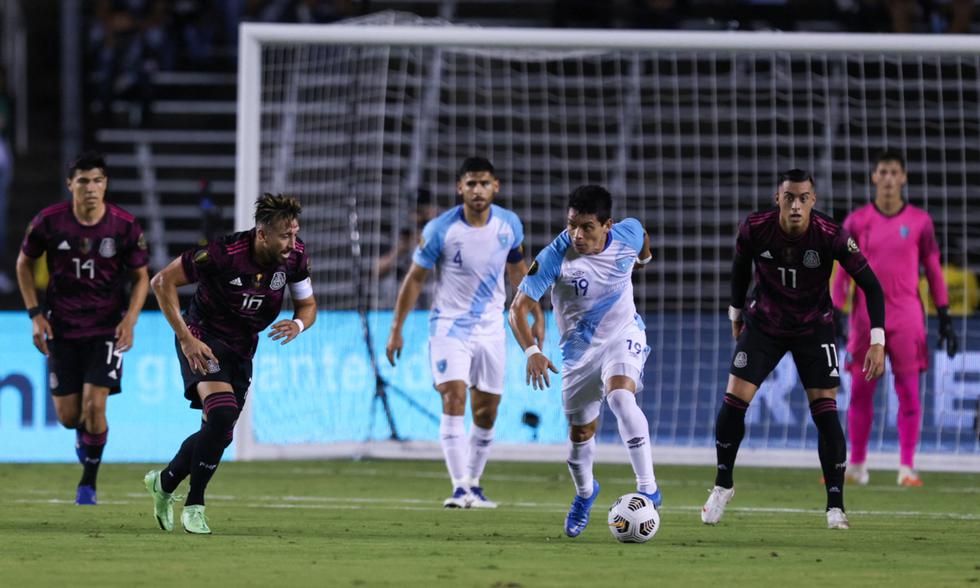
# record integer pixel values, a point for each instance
(180, 466)
(93, 445)
(832, 449)
(222, 412)
(729, 430)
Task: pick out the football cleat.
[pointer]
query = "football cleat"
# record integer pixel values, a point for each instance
(908, 478)
(478, 499)
(163, 503)
(656, 498)
(836, 519)
(85, 495)
(857, 473)
(578, 514)
(715, 506)
(194, 520)
(459, 499)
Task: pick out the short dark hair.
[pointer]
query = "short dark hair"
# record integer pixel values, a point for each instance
(475, 164)
(886, 155)
(591, 199)
(423, 197)
(85, 161)
(272, 209)
(796, 175)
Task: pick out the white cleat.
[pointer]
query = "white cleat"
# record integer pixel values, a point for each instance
(715, 507)
(857, 473)
(478, 499)
(908, 478)
(459, 499)
(836, 519)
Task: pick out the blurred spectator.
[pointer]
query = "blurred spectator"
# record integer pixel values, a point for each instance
(130, 42)
(908, 16)
(393, 264)
(195, 25)
(6, 176)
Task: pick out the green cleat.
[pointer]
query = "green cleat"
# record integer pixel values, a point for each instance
(163, 503)
(194, 520)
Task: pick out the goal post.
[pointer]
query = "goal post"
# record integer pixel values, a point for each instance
(688, 130)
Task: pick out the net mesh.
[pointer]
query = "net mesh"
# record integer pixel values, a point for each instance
(687, 142)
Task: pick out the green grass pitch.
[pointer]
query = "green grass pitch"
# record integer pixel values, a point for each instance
(380, 523)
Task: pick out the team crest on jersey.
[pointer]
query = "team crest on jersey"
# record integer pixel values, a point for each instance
(811, 259)
(852, 245)
(278, 280)
(503, 238)
(85, 245)
(741, 359)
(441, 366)
(903, 231)
(107, 248)
(624, 263)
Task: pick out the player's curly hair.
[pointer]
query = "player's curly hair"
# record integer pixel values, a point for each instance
(271, 209)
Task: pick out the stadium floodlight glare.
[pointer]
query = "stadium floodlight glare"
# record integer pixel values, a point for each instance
(687, 130)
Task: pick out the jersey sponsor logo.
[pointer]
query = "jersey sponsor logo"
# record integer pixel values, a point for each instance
(766, 255)
(85, 246)
(811, 259)
(64, 246)
(741, 359)
(441, 366)
(107, 248)
(903, 231)
(852, 245)
(236, 282)
(278, 280)
(533, 269)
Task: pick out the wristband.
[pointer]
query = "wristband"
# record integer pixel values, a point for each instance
(644, 261)
(878, 336)
(531, 351)
(33, 311)
(300, 324)
(734, 314)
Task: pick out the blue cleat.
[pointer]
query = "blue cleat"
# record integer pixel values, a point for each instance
(85, 496)
(655, 498)
(578, 514)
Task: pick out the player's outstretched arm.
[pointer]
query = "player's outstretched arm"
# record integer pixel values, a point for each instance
(165, 284)
(515, 273)
(537, 363)
(874, 361)
(141, 287)
(304, 315)
(408, 294)
(40, 327)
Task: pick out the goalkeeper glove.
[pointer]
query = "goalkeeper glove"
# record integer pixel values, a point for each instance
(946, 333)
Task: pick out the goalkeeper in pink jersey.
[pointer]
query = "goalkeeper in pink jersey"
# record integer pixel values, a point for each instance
(897, 238)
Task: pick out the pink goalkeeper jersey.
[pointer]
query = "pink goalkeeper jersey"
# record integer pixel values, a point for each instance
(896, 246)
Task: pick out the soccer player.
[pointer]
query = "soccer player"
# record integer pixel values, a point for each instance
(472, 244)
(241, 282)
(603, 340)
(93, 249)
(793, 248)
(897, 238)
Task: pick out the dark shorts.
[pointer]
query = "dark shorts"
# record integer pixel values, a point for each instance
(231, 368)
(815, 355)
(73, 363)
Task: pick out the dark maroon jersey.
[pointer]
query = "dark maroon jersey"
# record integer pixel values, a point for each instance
(236, 298)
(792, 274)
(89, 267)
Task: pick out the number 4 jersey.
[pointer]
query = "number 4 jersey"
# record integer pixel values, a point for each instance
(592, 294)
(89, 267)
(236, 298)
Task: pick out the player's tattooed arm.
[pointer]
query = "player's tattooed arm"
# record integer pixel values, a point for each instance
(538, 363)
(515, 273)
(141, 287)
(408, 294)
(304, 315)
(165, 284)
(41, 328)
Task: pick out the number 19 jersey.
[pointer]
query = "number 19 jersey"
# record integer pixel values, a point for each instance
(592, 294)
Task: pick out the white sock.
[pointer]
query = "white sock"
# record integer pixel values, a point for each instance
(580, 458)
(635, 432)
(452, 437)
(480, 442)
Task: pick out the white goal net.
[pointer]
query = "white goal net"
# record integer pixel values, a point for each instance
(688, 131)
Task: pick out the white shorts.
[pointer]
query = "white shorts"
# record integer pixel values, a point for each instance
(478, 362)
(583, 386)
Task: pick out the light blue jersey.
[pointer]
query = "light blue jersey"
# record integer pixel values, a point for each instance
(592, 294)
(469, 296)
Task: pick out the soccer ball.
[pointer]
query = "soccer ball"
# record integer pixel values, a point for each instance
(633, 519)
